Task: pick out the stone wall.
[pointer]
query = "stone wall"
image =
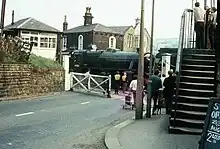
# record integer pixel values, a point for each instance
(23, 80)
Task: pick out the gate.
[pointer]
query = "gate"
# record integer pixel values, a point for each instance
(90, 84)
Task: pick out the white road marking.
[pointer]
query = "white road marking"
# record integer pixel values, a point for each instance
(83, 103)
(23, 114)
(9, 143)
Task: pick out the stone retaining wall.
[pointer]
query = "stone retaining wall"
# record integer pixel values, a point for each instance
(23, 80)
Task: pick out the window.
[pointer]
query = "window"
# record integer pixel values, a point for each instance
(35, 40)
(112, 42)
(64, 42)
(26, 38)
(136, 42)
(130, 40)
(46, 42)
(24, 32)
(80, 42)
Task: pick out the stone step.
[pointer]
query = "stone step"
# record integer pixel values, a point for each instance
(196, 92)
(198, 73)
(193, 99)
(198, 86)
(186, 123)
(195, 115)
(182, 130)
(199, 56)
(193, 79)
(190, 61)
(191, 106)
(199, 51)
(198, 67)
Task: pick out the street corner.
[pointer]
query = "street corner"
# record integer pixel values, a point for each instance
(111, 137)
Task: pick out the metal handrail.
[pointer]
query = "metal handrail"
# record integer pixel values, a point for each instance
(186, 34)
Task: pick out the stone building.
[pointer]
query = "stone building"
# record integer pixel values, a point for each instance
(46, 38)
(147, 38)
(118, 37)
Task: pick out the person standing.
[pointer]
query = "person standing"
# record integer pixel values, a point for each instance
(169, 85)
(124, 82)
(133, 88)
(212, 26)
(117, 82)
(156, 84)
(199, 15)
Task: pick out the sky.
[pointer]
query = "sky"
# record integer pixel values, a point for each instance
(106, 12)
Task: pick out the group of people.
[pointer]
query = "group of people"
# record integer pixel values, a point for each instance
(205, 19)
(157, 84)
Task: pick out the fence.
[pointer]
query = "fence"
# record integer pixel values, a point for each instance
(90, 83)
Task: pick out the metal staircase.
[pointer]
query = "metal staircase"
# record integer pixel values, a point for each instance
(195, 83)
(196, 86)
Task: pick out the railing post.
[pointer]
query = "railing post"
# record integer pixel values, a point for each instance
(89, 81)
(71, 80)
(110, 83)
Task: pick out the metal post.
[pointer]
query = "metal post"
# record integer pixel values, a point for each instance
(148, 115)
(3, 16)
(140, 81)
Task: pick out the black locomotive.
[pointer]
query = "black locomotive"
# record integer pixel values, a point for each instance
(109, 60)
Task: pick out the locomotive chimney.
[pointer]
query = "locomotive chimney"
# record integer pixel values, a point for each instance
(13, 17)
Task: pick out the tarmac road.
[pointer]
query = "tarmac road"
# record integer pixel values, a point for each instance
(64, 121)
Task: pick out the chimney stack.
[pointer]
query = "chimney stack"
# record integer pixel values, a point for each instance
(88, 17)
(13, 17)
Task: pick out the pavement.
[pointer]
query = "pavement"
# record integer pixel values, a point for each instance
(148, 134)
(64, 121)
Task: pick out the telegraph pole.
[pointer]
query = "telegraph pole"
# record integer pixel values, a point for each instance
(148, 115)
(2, 16)
(140, 81)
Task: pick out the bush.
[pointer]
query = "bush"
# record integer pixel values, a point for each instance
(41, 62)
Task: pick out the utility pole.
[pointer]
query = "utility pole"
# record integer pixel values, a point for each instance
(2, 16)
(140, 81)
(148, 115)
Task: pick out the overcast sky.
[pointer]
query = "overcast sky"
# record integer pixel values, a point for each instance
(106, 12)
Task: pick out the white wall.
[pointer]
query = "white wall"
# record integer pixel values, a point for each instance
(146, 38)
(45, 43)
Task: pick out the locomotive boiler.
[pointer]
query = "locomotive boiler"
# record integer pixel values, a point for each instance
(110, 60)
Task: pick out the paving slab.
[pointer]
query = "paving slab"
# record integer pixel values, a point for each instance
(153, 134)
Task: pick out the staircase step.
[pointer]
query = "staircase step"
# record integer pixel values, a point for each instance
(198, 73)
(199, 51)
(189, 114)
(198, 56)
(182, 130)
(193, 99)
(186, 123)
(191, 106)
(198, 62)
(198, 67)
(200, 86)
(194, 92)
(206, 80)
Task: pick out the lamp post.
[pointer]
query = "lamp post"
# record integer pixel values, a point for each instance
(148, 114)
(140, 81)
(3, 16)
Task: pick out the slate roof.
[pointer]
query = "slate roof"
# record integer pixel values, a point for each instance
(98, 28)
(120, 29)
(31, 24)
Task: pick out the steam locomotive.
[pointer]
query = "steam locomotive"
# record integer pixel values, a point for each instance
(109, 60)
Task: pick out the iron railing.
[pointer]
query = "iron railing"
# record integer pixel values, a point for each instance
(186, 40)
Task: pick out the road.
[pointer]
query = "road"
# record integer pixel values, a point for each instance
(64, 121)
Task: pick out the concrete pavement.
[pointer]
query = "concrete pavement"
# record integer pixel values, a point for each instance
(148, 134)
(64, 121)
